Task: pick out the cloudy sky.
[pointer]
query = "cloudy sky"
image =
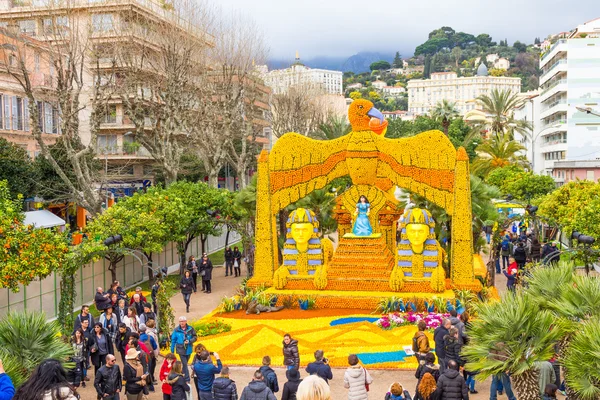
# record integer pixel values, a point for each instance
(345, 27)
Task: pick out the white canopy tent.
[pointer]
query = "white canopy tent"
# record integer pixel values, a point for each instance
(42, 219)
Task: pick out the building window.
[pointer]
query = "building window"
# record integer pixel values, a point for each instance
(107, 144)
(27, 27)
(36, 60)
(102, 22)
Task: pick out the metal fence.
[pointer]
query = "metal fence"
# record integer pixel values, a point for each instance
(44, 295)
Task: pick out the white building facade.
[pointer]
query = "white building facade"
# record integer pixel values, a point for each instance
(298, 74)
(425, 94)
(569, 117)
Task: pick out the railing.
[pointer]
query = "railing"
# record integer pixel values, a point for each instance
(556, 64)
(551, 142)
(558, 42)
(162, 9)
(558, 82)
(554, 124)
(125, 150)
(553, 104)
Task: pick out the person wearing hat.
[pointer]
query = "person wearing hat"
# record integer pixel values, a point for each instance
(134, 376)
(182, 343)
(291, 386)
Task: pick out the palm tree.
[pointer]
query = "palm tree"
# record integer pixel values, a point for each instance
(497, 152)
(27, 339)
(321, 202)
(333, 128)
(510, 336)
(445, 111)
(484, 212)
(582, 363)
(499, 107)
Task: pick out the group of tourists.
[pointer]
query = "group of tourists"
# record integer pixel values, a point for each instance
(204, 268)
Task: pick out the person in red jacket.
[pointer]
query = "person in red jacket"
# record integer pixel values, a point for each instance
(165, 369)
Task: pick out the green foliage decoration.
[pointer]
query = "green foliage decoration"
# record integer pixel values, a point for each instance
(26, 339)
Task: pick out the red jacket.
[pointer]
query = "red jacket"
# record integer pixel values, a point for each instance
(512, 268)
(164, 372)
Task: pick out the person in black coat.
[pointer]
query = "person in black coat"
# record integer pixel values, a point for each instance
(133, 373)
(237, 261)
(187, 287)
(426, 365)
(451, 385)
(228, 261)
(177, 381)
(438, 338)
(101, 299)
(320, 367)
(291, 386)
(108, 382)
(452, 347)
(223, 387)
(101, 345)
(122, 339)
(206, 268)
(192, 266)
(520, 255)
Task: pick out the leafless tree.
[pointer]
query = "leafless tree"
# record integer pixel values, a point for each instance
(157, 72)
(68, 86)
(238, 96)
(299, 110)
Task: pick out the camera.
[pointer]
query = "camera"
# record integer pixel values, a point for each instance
(325, 360)
(211, 353)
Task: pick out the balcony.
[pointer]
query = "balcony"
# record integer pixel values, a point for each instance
(557, 67)
(554, 143)
(557, 106)
(157, 9)
(560, 45)
(557, 86)
(130, 150)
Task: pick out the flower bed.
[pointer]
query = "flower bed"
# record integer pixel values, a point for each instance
(394, 320)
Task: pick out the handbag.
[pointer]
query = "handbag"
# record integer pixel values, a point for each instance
(202, 273)
(366, 383)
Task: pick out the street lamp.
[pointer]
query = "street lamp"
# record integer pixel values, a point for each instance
(587, 242)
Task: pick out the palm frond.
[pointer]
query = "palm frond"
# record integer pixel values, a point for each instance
(29, 339)
(582, 360)
(511, 336)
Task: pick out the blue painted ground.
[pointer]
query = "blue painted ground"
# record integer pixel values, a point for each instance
(352, 320)
(376, 358)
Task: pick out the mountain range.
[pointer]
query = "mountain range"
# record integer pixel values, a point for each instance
(356, 63)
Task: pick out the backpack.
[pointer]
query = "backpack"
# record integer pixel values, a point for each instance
(415, 344)
(505, 246)
(149, 347)
(272, 381)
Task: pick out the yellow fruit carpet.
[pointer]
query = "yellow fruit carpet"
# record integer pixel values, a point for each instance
(251, 339)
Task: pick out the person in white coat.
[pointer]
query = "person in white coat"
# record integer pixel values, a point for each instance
(357, 379)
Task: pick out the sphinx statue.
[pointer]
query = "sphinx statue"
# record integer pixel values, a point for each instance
(304, 254)
(419, 257)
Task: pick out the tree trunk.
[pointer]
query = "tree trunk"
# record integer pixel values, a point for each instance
(213, 178)
(227, 235)
(526, 385)
(203, 239)
(150, 266)
(112, 267)
(181, 250)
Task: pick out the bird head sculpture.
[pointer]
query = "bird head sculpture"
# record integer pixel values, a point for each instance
(364, 116)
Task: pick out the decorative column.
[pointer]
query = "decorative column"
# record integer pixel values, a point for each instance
(462, 236)
(265, 254)
(387, 225)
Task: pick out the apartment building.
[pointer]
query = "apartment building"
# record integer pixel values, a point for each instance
(298, 74)
(14, 104)
(100, 24)
(425, 94)
(569, 116)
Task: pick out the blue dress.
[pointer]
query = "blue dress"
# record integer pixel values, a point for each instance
(362, 226)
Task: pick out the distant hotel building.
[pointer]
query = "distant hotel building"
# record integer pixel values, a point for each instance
(298, 74)
(425, 94)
